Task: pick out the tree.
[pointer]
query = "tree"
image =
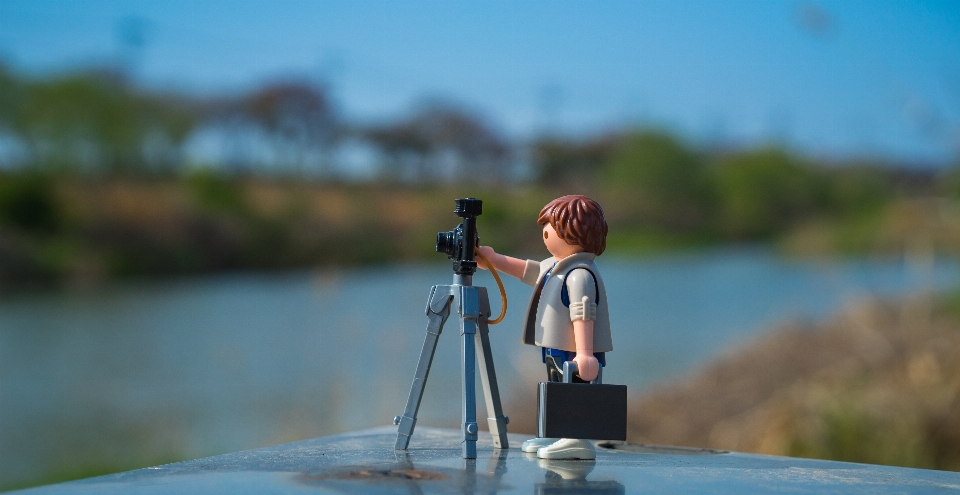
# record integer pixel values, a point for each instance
(95, 121)
(762, 191)
(664, 181)
(287, 124)
(560, 161)
(300, 121)
(442, 142)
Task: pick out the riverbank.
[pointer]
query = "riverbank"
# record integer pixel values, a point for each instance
(878, 383)
(76, 233)
(67, 231)
(63, 232)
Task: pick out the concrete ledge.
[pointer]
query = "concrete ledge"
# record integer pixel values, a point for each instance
(366, 462)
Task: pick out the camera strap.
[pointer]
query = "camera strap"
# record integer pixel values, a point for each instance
(503, 292)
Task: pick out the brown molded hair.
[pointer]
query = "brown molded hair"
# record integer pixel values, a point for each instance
(578, 220)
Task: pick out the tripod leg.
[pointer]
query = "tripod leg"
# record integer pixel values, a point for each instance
(469, 308)
(496, 421)
(438, 309)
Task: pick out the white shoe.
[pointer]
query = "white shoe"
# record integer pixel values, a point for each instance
(534, 444)
(568, 448)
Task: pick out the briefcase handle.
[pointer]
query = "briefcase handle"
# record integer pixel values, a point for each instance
(570, 369)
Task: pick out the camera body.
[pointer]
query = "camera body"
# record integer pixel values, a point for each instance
(459, 243)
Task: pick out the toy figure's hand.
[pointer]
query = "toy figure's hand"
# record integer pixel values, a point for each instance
(588, 365)
(489, 253)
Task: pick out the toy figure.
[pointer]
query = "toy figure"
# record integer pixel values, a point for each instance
(567, 316)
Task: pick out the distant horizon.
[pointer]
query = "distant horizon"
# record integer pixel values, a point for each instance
(836, 81)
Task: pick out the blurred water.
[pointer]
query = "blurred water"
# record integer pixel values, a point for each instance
(216, 364)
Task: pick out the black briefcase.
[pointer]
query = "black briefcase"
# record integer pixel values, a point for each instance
(581, 410)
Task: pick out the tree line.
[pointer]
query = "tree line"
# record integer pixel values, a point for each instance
(96, 182)
(97, 122)
(664, 184)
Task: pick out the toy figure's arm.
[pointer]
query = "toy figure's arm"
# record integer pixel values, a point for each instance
(511, 266)
(586, 362)
(581, 288)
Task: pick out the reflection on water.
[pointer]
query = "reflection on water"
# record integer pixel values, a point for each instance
(217, 364)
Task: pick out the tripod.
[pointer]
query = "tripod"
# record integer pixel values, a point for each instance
(473, 311)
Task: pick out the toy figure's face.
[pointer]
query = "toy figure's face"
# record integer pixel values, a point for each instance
(557, 246)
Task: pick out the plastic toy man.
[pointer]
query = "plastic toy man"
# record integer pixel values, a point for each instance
(567, 316)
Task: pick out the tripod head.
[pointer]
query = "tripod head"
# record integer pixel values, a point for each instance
(459, 243)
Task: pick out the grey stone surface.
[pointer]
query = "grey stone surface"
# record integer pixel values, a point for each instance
(366, 462)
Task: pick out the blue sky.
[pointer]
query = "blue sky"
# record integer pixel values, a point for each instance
(835, 79)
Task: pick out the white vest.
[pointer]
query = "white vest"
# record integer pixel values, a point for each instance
(548, 320)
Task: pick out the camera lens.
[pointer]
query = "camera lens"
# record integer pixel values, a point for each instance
(447, 243)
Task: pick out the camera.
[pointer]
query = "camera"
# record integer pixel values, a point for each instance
(459, 243)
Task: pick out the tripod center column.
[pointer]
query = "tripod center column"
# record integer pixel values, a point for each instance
(469, 313)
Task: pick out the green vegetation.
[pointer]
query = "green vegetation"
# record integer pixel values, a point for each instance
(65, 229)
(94, 122)
(664, 184)
(69, 228)
(28, 203)
(761, 191)
(61, 230)
(662, 192)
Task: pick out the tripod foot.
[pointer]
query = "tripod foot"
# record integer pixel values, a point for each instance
(405, 431)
